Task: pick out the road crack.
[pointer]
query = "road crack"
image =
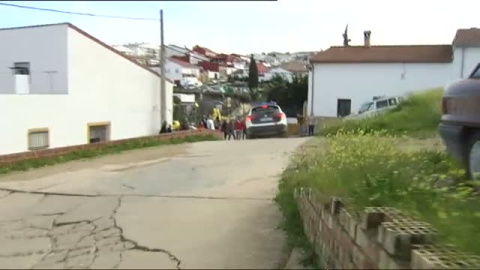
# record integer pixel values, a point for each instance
(137, 246)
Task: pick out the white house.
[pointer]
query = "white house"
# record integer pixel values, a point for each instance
(182, 72)
(342, 78)
(278, 71)
(124, 50)
(68, 88)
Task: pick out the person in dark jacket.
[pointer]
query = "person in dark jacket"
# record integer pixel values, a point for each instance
(231, 130)
(223, 128)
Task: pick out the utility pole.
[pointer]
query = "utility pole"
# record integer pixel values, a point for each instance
(163, 91)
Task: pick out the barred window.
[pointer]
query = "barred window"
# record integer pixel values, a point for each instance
(38, 139)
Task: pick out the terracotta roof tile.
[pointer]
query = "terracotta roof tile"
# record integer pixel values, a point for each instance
(386, 54)
(467, 38)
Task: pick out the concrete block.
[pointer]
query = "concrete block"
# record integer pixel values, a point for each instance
(388, 262)
(442, 257)
(358, 258)
(398, 238)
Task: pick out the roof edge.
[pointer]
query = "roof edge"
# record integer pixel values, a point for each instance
(114, 50)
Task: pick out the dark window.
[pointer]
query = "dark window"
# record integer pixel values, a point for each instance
(392, 102)
(21, 68)
(476, 73)
(266, 109)
(382, 104)
(344, 107)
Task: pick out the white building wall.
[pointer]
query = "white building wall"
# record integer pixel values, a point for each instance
(103, 87)
(173, 71)
(360, 82)
(45, 48)
(470, 58)
(287, 75)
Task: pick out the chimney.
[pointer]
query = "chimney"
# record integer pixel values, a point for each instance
(366, 36)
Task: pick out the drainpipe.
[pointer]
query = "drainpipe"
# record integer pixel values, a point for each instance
(311, 67)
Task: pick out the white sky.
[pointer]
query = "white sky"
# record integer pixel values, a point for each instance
(245, 27)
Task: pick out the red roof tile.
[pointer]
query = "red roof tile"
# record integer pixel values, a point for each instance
(386, 54)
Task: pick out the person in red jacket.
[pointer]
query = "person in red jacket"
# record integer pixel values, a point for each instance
(244, 129)
(238, 129)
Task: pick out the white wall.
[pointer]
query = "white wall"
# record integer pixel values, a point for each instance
(103, 86)
(173, 71)
(471, 58)
(45, 48)
(360, 82)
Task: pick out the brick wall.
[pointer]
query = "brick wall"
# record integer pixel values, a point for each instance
(376, 238)
(12, 158)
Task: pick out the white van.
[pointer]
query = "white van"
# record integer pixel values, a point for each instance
(378, 106)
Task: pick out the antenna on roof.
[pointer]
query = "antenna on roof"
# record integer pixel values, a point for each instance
(346, 40)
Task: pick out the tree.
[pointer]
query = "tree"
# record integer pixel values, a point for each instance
(252, 75)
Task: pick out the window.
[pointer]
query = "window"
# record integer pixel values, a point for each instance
(382, 104)
(392, 102)
(366, 107)
(476, 73)
(98, 132)
(38, 139)
(344, 107)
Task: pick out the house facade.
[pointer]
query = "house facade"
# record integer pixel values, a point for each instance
(69, 88)
(181, 72)
(343, 78)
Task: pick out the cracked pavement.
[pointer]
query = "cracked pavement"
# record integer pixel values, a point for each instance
(205, 205)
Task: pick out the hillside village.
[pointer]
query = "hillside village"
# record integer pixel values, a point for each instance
(200, 65)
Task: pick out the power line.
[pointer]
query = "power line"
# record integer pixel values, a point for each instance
(77, 13)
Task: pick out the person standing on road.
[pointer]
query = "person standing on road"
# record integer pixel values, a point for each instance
(311, 125)
(238, 129)
(244, 129)
(223, 128)
(210, 123)
(230, 129)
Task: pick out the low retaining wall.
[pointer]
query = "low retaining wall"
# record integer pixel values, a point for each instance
(12, 158)
(377, 238)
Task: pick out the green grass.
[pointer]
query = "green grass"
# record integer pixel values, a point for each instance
(390, 160)
(369, 169)
(418, 116)
(108, 150)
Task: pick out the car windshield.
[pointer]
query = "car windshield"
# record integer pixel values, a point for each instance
(365, 107)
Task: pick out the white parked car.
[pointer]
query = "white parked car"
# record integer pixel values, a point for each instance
(375, 107)
(266, 119)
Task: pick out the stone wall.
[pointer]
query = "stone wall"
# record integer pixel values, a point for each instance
(51, 152)
(376, 238)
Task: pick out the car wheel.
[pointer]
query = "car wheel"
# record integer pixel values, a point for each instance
(473, 162)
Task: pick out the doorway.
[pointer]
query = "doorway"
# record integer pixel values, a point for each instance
(344, 107)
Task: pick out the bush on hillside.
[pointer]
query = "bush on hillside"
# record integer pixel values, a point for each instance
(418, 115)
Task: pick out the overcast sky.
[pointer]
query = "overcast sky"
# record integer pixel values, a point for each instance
(245, 27)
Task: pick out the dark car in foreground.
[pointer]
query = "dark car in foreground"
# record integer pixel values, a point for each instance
(460, 124)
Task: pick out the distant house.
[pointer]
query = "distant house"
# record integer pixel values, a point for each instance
(69, 88)
(212, 70)
(277, 71)
(342, 78)
(124, 50)
(262, 69)
(181, 72)
(204, 51)
(295, 67)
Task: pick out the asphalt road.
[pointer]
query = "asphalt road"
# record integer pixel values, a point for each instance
(201, 205)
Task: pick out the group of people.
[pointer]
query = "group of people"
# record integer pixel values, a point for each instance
(236, 129)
